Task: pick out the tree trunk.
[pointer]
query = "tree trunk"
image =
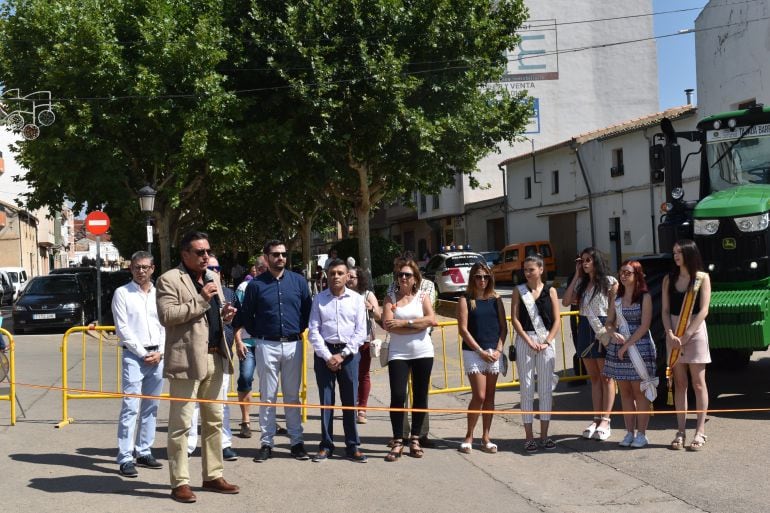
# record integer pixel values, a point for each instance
(362, 210)
(163, 225)
(306, 233)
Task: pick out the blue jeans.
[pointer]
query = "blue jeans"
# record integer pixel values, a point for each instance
(138, 378)
(347, 377)
(246, 367)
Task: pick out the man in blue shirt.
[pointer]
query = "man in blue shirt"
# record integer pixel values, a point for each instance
(337, 329)
(275, 312)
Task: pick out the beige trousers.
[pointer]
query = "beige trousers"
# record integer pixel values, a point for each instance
(180, 416)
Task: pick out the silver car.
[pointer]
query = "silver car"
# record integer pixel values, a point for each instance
(449, 271)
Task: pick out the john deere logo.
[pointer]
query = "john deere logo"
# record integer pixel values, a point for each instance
(729, 243)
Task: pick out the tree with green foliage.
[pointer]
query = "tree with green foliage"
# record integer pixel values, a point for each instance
(390, 96)
(139, 100)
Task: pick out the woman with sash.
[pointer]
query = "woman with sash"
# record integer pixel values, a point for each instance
(631, 353)
(686, 297)
(591, 287)
(535, 317)
(483, 328)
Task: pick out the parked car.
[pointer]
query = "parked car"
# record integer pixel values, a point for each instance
(18, 276)
(449, 271)
(54, 301)
(512, 259)
(492, 257)
(7, 291)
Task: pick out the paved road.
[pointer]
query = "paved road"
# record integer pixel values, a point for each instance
(45, 469)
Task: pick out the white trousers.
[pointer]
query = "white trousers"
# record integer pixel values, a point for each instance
(529, 362)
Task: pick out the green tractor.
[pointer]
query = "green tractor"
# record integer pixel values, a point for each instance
(730, 223)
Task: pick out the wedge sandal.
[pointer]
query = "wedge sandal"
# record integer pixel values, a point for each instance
(677, 443)
(698, 442)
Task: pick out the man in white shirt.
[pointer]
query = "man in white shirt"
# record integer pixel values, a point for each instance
(337, 329)
(142, 338)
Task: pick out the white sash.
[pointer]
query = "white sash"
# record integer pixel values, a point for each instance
(593, 320)
(534, 315)
(537, 323)
(649, 386)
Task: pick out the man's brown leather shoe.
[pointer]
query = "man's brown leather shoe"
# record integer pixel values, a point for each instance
(219, 485)
(183, 493)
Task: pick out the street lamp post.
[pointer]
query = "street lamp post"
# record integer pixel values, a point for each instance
(147, 205)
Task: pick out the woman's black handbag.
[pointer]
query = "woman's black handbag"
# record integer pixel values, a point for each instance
(512, 352)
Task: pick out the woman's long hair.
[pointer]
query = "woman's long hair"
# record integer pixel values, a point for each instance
(692, 260)
(473, 289)
(362, 283)
(600, 282)
(640, 284)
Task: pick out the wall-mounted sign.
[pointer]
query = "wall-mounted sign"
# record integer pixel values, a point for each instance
(537, 55)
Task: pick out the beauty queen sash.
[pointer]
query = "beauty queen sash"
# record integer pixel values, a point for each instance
(537, 322)
(684, 319)
(534, 315)
(593, 320)
(649, 386)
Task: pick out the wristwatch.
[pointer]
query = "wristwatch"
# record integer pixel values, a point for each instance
(409, 323)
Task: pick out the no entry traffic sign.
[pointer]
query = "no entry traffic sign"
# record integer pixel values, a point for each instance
(97, 222)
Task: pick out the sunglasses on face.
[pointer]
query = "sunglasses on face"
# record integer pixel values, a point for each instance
(405, 275)
(214, 268)
(482, 276)
(142, 267)
(201, 252)
(279, 254)
(626, 273)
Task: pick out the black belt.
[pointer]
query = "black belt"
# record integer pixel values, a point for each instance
(336, 346)
(147, 348)
(289, 338)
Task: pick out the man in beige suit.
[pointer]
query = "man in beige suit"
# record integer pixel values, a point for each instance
(192, 309)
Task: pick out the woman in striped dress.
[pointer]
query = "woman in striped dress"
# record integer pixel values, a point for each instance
(628, 319)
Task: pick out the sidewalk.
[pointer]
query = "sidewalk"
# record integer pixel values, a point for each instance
(45, 469)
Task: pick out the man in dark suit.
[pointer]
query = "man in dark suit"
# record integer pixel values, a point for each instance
(193, 310)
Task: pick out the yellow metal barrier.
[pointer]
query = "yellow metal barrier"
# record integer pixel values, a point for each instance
(100, 336)
(513, 382)
(11, 355)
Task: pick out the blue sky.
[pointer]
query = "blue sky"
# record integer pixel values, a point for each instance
(676, 55)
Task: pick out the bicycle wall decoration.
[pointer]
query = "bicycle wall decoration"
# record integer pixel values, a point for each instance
(26, 114)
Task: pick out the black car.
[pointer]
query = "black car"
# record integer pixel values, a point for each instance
(6, 289)
(54, 301)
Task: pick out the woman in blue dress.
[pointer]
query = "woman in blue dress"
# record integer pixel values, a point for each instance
(628, 320)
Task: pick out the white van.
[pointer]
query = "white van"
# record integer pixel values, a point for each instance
(18, 276)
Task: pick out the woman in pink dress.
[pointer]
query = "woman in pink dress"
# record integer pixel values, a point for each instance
(693, 343)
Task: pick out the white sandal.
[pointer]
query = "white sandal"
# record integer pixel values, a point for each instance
(603, 433)
(489, 448)
(466, 448)
(588, 432)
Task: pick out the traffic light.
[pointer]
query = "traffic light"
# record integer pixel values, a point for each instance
(657, 164)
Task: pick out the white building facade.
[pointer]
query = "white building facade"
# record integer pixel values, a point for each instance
(577, 70)
(732, 55)
(595, 189)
